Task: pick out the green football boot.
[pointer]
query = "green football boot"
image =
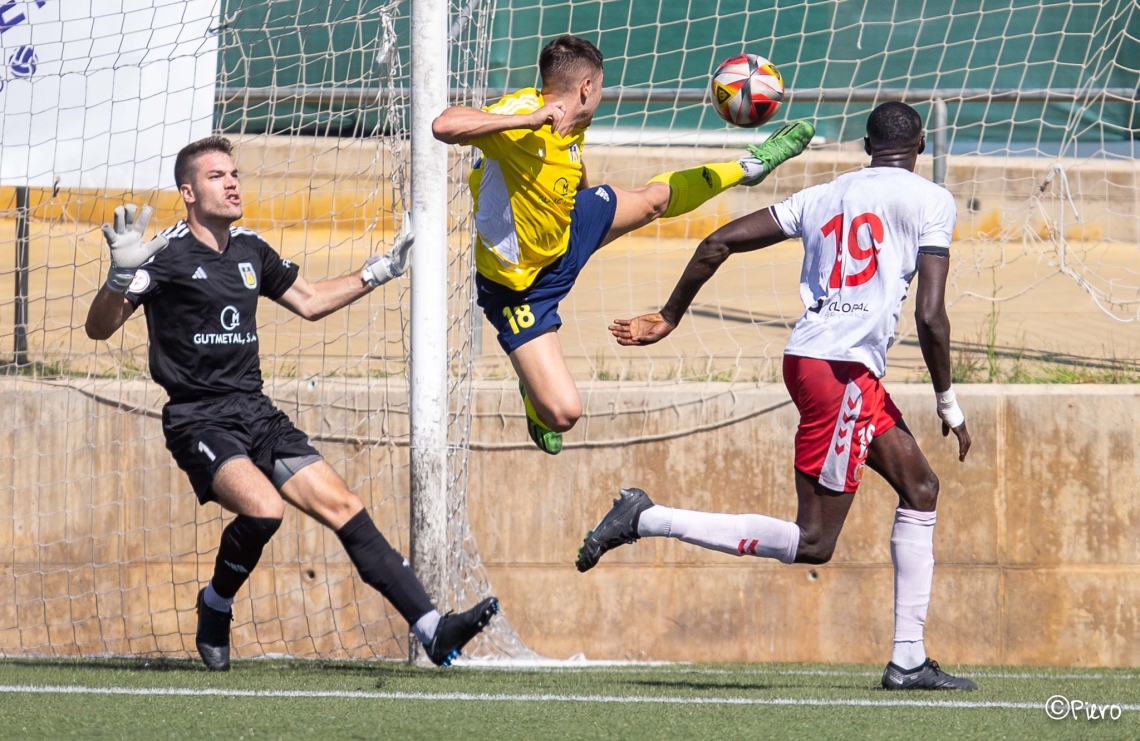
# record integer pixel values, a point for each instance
(788, 141)
(547, 440)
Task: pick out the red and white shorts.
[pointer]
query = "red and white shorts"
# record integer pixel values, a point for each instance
(842, 408)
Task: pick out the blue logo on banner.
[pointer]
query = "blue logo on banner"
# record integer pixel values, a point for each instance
(10, 18)
(23, 62)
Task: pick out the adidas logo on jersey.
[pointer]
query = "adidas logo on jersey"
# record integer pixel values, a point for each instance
(199, 274)
(601, 193)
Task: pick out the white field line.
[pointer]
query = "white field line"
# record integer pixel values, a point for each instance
(972, 675)
(661, 667)
(476, 697)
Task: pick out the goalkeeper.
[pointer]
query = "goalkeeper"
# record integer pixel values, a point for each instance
(199, 282)
(539, 220)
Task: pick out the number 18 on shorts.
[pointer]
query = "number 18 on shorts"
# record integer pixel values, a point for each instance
(518, 317)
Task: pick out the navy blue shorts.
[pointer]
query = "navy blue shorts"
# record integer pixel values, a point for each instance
(520, 316)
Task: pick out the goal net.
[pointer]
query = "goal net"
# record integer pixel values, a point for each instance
(102, 544)
(1041, 117)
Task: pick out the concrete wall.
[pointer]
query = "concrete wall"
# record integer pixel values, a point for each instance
(103, 546)
(1037, 542)
(1038, 539)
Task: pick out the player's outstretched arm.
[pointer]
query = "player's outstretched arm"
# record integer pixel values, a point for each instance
(108, 312)
(129, 252)
(933, 326)
(746, 234)
(462, 124)
(315, 301)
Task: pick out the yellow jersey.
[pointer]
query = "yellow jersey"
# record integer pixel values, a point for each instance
(523, 188)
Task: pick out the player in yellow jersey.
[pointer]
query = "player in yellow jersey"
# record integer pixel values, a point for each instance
(539, 220)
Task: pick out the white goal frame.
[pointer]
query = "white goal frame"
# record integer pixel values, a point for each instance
(429, 315)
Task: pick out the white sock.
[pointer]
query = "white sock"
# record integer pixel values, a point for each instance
(215, 601)
(655, 522)
(908, 654)
(912, 550)
(424, 629)
(753, 168)
(755, 535)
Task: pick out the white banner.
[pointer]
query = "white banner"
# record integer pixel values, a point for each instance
(103, 93)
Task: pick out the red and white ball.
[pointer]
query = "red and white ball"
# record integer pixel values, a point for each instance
(747, 90)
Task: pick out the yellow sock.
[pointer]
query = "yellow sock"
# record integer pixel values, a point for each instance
(693, 187)
(531, 412)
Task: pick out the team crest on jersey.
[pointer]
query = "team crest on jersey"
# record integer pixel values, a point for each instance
(140, 282)
(248, 276)
(575, 153)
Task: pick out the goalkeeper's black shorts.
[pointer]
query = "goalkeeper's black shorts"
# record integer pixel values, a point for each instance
(204, 435)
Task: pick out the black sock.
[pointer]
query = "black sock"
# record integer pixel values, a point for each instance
(243, 540)
(383, 569)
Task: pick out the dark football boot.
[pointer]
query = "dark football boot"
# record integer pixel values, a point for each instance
(925, 676)
(455, 630)
(213, 638)
(618, 527)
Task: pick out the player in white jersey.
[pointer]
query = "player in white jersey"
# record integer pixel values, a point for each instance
(865, 236)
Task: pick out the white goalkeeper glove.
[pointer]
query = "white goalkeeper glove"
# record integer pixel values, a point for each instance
(128, 250)
(379, 269)
(948, 409)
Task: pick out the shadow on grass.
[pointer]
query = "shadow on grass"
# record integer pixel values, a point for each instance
(366, 669)
(139, 665)
(702, 684)
(745, 685)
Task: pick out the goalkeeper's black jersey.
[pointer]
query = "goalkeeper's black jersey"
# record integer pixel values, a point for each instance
(201, 311)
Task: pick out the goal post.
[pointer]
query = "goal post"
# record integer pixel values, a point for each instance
(429, 310)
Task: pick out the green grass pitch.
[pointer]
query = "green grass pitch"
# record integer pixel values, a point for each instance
(149, 699)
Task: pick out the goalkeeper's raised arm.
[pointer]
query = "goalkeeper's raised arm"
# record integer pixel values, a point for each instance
(129, 252)
(117, 300)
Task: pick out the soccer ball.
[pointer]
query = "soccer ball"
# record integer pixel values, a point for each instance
(23, 62)
(747, 90)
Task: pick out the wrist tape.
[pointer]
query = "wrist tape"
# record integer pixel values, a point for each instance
(377, 270)
(948, 409)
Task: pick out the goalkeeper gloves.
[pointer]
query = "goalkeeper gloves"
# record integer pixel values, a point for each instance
(379, 269)
(128, 250)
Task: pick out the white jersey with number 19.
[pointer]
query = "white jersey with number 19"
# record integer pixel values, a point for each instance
(862, 233)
